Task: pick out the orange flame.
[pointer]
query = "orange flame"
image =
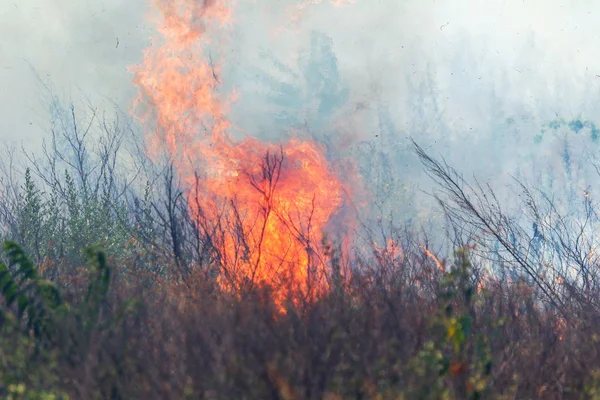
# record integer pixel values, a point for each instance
(264, 206)
(437, 262)
(392, 251)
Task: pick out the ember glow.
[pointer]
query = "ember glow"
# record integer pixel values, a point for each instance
(265, 206)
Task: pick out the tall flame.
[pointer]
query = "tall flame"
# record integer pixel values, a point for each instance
(263, 205)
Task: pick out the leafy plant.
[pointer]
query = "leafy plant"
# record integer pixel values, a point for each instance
(30, 298)
(45, 322)
(456, 363)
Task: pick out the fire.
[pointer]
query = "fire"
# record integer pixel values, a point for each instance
(432, 256)
(264, 206)
(392, 251)
(272, 211)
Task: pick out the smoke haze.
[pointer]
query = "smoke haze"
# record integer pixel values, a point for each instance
(473, 81)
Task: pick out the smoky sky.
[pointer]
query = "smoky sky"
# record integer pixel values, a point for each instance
(474, 81)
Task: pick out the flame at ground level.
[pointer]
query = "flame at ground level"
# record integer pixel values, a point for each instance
(261, 208)
(265, 208)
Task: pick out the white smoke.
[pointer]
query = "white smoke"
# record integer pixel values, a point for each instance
(473, 81)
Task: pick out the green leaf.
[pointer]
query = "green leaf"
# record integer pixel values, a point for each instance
(466, 322)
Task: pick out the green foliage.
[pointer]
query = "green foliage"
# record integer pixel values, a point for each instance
(455, 364)
(89, 312)
(30, 213)
(35, 298)
(346, 345)
(592, 389)
(26, 372)
(56, 222)
(38, 301)
(28, 369)
(92, 221)
(37, 322)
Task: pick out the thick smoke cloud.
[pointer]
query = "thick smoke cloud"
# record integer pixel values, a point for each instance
(473, 81)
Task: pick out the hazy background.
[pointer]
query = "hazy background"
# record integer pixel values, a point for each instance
(472, 80)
